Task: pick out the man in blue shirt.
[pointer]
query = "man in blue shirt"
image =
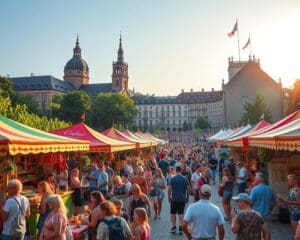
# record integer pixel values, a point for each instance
(93, 177)
(262, 196)
(178, 194)
(163, 165)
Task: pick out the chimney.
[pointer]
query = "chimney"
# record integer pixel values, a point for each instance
(182, 90)
(32, 74)
(212, 89)
(191, 90)
(202, 90)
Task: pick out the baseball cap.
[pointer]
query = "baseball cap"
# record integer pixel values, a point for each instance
(242, 197)
(205, 190)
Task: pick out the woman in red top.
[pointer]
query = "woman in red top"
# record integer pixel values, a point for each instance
(142, 227)
(204, 179)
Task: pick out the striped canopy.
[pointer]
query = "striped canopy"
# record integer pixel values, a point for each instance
(139, 138)
(98, 141)
(16, 138)
(151, 137)
(116, 134)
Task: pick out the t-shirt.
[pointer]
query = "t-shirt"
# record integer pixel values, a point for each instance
(12, 208)
(250, 225)
(179, 186)
(262, 197)
(103, 232)
(102, 178)
(94, 173)
(294, 195)
(172, 162)
(163, 165)
(195, 178)
(213, 164)
(242, 173)
(204, 218)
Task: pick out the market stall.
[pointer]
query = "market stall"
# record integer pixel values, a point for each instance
(149, 136)
(25, 153)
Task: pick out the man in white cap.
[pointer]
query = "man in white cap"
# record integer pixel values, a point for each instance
(246, 223)
(205, 218)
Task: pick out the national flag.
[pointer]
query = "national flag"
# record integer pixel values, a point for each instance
(82, 117)
(235, 28)
(248, 43)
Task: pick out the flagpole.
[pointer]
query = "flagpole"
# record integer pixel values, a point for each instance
(238, 38)
(250, 47)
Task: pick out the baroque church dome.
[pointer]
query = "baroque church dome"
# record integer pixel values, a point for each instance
(77, 62)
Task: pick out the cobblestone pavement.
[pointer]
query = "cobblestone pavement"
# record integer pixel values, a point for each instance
(161, 227)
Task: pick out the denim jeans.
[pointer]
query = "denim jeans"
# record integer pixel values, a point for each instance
(6, 237)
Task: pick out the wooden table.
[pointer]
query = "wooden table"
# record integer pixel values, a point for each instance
(79, 233)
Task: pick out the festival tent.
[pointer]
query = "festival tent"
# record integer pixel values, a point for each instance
(16, 138)
(140, 138)
(211, 138)
(142, 135)
(98, 141)
(286, 137)
(242, 131)
(228, 134)
(150, 137)
(116, 134)
(242, 140)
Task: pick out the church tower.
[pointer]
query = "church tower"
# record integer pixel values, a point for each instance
(76, 70)
(120, 71)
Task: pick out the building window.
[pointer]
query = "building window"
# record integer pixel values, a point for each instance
(117, 83)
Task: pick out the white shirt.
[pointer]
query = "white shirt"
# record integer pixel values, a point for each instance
(12, 208)
(204, 217)
(195, 178)
(242, 173)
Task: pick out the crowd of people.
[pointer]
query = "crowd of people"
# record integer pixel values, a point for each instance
(121, 204)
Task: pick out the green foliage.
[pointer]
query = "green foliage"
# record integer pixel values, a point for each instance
(294, 100)
(254, 111)
(55, 105)
(202, 123)
(20, 114)
(73, 105)
(265, 155)
(24, 99)
(109, 108)
(85, 162)
(6, 87)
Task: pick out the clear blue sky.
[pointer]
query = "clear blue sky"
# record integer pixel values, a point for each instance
(169, 44)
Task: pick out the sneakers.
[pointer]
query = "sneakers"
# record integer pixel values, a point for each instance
(180, 231)
(173, 229)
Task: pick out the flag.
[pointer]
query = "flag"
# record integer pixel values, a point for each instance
(82, 117)
(262, 116)
(247, 43)
(235, 28)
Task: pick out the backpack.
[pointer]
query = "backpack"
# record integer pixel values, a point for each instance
(115, 228)
(18, 227)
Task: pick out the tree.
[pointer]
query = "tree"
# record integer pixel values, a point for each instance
(55, 105)
(202, 123)
(6, 87)
(20, 98)
(294, 99)
(255, 111)
(73, 105)
(109, 108)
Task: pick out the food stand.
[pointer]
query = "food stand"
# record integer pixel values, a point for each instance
(22, 153)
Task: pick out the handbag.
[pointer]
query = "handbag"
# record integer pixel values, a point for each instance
(152, 192)
(220, 191)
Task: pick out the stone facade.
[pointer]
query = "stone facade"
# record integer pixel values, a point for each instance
(246, 81)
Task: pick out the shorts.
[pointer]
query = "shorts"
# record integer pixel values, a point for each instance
(177, 207)
(295, 216)
(227, 195)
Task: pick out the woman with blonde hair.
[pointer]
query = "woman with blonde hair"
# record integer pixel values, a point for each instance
(44, 189)
(109, 216)
(142, 229)
(119, 188)
(77, 192)
(158, 185)
(56, 222)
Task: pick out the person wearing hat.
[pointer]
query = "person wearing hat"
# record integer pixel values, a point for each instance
(247, 224)
(205, 218)
(242, 177)
(178, 195)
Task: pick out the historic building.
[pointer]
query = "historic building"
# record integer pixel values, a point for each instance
(76, 77)
(246, 80)
(171, 113)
